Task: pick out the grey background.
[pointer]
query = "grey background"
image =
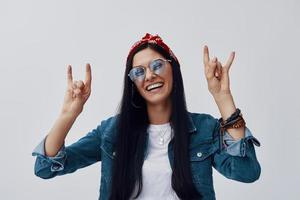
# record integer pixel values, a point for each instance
(39, 38)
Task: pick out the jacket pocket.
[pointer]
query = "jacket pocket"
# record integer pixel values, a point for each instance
(107, 148)
(108, 155)
(201, 162)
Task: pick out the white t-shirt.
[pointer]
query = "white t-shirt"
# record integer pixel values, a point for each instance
(156, 170)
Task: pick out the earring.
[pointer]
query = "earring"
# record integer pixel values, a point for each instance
(132, 97)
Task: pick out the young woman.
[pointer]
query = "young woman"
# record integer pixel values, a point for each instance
(153, 148)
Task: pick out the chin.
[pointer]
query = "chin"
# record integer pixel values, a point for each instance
(156, 98)
(156, 101)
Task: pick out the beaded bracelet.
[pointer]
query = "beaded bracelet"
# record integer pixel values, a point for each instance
(236, 120)
(231, 118)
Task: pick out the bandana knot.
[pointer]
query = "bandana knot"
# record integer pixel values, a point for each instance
(156, 39)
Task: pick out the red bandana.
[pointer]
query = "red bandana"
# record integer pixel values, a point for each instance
(148, 38)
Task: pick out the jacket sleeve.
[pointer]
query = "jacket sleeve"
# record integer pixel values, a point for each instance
(82, 153)
(236, 159)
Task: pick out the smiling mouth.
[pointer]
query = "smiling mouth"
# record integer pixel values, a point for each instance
(154, 86)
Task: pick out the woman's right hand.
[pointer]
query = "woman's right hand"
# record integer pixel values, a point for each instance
(77, 92)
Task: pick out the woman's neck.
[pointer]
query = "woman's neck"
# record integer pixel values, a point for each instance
(159, 113)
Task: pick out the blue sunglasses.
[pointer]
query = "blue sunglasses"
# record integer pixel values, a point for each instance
(157, 66)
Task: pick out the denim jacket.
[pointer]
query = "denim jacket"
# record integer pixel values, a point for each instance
(208, 148)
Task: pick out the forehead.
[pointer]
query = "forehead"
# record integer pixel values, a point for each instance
(144, 57)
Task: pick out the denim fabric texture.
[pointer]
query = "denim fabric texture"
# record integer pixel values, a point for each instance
(235, 159)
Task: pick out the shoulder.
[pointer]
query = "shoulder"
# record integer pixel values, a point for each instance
(108, 127)
(109, 122)
(204, 124)
(203, 120)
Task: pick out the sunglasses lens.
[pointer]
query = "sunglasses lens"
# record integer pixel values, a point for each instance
(137, 73)
(157, 66)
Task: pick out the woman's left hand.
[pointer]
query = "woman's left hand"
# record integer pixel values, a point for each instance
(217, 75)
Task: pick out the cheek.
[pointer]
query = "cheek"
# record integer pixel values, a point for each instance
(170, 86)
(140, 89)
(169, 79)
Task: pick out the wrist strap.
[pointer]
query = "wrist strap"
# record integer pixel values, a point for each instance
(236, 120)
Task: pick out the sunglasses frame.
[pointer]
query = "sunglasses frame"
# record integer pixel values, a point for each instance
(140, 66)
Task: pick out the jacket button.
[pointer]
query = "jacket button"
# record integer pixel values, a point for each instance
(199, 154)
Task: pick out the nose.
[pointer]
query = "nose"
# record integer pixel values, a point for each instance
(149, 75)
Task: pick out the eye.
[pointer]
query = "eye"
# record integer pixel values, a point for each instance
(156, 64)
(138, 71)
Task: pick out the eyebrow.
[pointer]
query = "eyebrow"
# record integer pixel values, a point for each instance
(149, 62)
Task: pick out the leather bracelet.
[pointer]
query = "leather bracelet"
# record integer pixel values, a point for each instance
(236, 120)
(231, 118)
(239, 122)
(228, 123)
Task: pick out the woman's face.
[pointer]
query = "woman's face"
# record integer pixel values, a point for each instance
(163, 81)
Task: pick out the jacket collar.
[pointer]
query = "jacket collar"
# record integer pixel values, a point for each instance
(112, 122)
(191, 126)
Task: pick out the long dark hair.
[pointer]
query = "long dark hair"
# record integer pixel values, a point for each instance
(132, 137)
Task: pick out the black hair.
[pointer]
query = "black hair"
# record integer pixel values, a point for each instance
(131, 137)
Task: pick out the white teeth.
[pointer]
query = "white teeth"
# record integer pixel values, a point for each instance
(154, 86)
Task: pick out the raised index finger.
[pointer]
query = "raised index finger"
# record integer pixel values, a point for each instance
(69, 76)
(205, 55)
(88, 75)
